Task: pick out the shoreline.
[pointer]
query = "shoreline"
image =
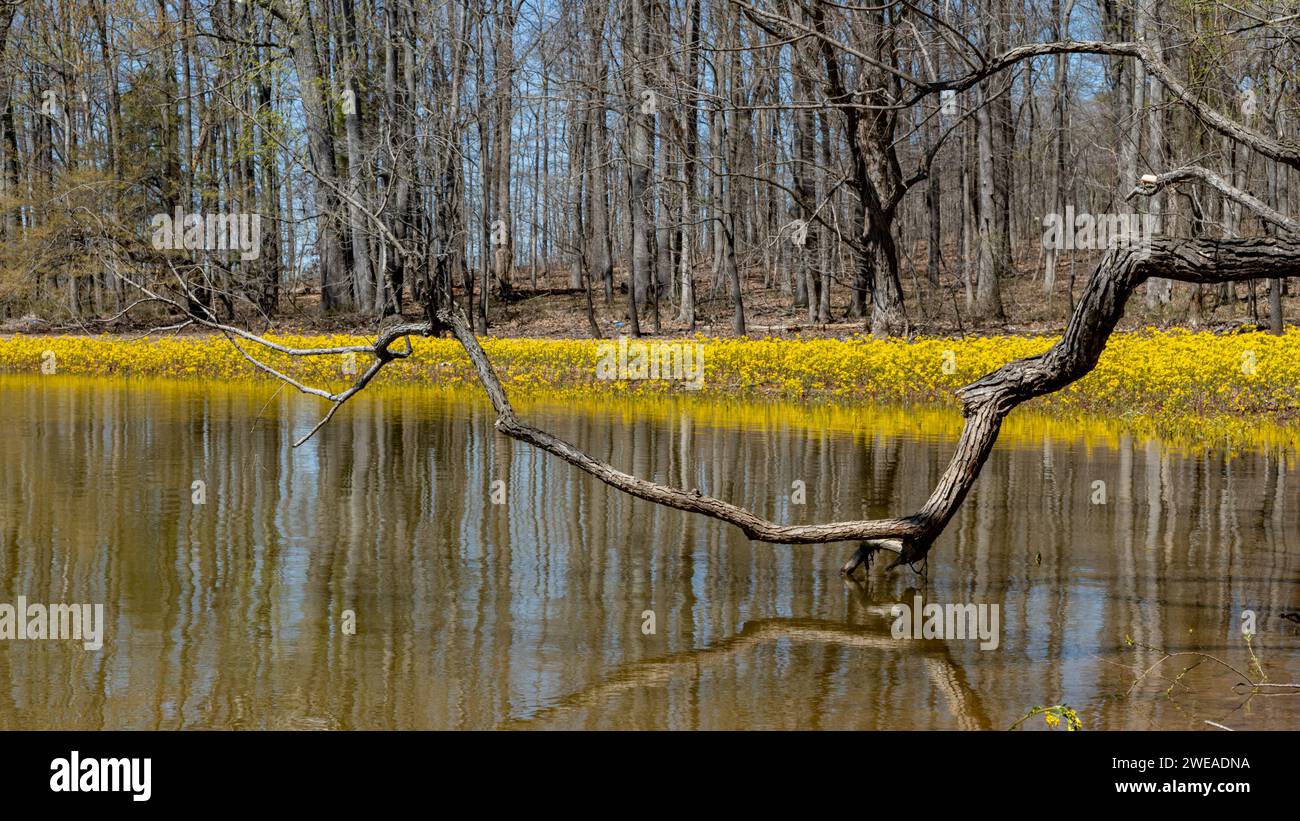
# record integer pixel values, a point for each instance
(1200, 389)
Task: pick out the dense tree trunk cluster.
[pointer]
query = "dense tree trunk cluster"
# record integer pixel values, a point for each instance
(670, 157)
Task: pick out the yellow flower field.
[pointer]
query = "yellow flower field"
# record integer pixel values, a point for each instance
(1162, 374)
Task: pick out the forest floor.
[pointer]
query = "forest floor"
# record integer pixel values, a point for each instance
(932, 310)
(545, 307)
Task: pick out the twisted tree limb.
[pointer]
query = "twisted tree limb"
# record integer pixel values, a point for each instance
(985, 402)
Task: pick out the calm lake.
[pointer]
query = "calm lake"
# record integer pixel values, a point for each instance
(524, 604)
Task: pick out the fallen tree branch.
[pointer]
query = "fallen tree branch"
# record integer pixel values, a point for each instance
(985, 402)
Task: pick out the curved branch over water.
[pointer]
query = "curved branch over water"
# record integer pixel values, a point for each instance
(985, 402)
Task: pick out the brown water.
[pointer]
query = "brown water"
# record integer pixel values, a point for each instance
(471, 614)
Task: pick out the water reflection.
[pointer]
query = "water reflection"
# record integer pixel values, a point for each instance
(472, 614)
